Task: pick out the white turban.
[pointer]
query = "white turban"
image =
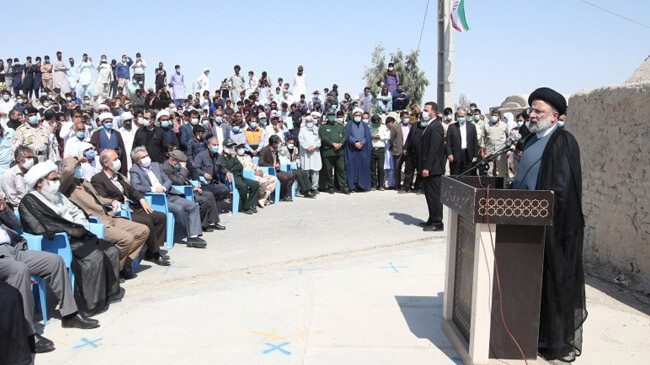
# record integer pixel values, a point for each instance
(315, 114)
(161, 113)
(79, 148)
(101, 107)
(39, 171)
(104, 116)
(127, 116)
(357, 110)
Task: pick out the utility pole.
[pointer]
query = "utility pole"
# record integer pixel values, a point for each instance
(445, 56)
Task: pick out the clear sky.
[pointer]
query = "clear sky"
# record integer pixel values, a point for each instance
(514, 46)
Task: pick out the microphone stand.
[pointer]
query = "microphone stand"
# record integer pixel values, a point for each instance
(484, 164)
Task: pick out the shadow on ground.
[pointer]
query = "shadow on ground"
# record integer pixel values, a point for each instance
(423, 316)
(406, 219)
(620, 293)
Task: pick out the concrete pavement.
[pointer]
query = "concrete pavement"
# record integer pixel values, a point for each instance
(338, 280)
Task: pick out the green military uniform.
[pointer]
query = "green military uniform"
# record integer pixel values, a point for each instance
(248, 189)
(329, 134)
(36, 138)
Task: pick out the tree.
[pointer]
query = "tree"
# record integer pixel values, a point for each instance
(463, 101)
(411, 77)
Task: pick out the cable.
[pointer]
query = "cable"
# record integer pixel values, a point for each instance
(496, 270)
(426, 10)
(613, 13)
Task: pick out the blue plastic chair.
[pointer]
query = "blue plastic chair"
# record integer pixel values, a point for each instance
(235, 193)
(158, 202)
(188, 190)
(125, 212)
(294, 186)
(256, 160)
(271, 171)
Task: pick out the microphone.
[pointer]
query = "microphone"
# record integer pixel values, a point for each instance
(504, 147)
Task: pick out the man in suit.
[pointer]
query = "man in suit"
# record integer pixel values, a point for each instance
(269, 157)
(147, 177)
(152, 136)
(462, 148)
(111, 185)
(220, 129)
(431, 162)
(207, 168)
(398, 134)
(207, 203)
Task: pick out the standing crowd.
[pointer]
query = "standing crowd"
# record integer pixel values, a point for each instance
(89, 144)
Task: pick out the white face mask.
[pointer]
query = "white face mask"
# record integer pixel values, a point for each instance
(146, 162)
(290, 146)
(241, 151)
(143, 122)
(194, 121)
(28, 163)
(309, 125)
(50, 189)
(116, 166)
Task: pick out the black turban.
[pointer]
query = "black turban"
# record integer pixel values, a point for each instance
(550, 96)
(30, 110)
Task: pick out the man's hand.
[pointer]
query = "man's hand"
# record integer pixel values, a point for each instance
(3, 203)
(207, 176)
(276, 165)
(117, 206)
(450, 158)
(425, 173)
(259, 173)
(358, 145)
(405, 152)
(145, 206)
(254, 153)
(482, 155)
(229, 177)
(197, 190)
(82, 160)
(160, 189)
(310, 149)
(374, 136)
(336, 146)
(474, 159)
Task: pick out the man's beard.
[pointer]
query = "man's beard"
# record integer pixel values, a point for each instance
(52, 196)
(540, 125)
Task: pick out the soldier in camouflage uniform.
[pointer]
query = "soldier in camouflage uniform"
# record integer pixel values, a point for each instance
(35, 136)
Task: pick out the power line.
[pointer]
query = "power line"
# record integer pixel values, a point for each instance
(426, 10)
(613, 13)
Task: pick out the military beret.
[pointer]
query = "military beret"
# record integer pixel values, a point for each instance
(550, 96)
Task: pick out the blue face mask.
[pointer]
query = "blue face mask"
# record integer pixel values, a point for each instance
(253, 125)
(78, 174)
(461, 120)
(357, 119)
(494, 119)
(81, 135)
(108, 126)
(425, 116)
(560, 123)
(235, 129)
(90, 154)
(165, 124)
(424, 124)
(33, 119)
(263, 121)
(214, 149)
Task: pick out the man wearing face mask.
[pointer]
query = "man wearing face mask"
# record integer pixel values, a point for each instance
(287, 154)
(80, 136)
(379, 135)
(495, 133)
(333, 137)
(391, 79)
(123, 72)
(398, 135)
(60, 75)
(14, 120)
(220, 129)
(431, 166)
(187, 130)
(13, 180)
(358, 151)
(167, 126)
(209, 169)
(6, 105)
(33, 135)
(152, 137)
(462, 146)
(177, 83)
(46, 70)
(108, 138)
(255, 139)
(179, 175)
(269, 157)
(127, 131)
(248, 188)
(104, 77)
(238, 126)
(310, 158)
(17, 71)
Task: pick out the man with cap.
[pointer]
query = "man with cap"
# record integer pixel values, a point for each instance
(209, 167)
(248, 189)
(108, 138)
(358, 151)
(33, 135)
(551, 161)
(333, 137)
(179, 175)
(95, 262)
(152, 137)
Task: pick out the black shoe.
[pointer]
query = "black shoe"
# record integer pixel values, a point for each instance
(308, 195)
(218, 226)
(331, 191)
(255, 210)
(248, 211)
(42, 344)
(346, 192)
(127, 274)
(157, 259)
(381, 188)
(402, 191)
(286, 199)
(196, 242)
(207, 229)
(418, 192)
(434, 228)
(314, 192)
(78, 320)
(424, 224)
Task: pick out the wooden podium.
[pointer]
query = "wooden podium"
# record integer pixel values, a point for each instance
(471, 314)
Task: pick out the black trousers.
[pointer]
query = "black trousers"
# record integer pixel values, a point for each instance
(409, 172)
(398, 162)
(157, 223)
(338, 163)
(458, 167)
(249, 191)
(377, 157)
(431, 186)
(302, 177)
(219, 190)
(207, 208)
(286, 180)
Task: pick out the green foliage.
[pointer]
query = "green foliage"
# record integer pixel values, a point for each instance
(411, 76)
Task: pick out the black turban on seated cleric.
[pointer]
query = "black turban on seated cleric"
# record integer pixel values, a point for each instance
(550, 96)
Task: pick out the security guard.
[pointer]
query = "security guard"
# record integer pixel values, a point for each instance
(332, 136)
(34, 135)
(248, 189)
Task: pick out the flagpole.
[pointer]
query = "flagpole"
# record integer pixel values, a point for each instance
(445, 56)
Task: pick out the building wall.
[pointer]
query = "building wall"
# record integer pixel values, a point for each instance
(612, 126)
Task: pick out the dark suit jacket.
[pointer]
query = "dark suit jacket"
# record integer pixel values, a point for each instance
(154, 141)
(212, 164)
(94, 139)
(453, 146)
(105, 188)
(140, 180)
(432, 150)
(178, 177)
(266, 157)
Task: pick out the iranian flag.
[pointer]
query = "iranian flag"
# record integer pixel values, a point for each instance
(457, 15)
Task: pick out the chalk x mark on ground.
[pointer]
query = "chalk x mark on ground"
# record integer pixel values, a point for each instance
(393, 267)
(276, 347)
(85, 342)
(172, 266)
(268, 335)
(300, 270)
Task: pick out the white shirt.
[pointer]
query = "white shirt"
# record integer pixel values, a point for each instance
(463, 136)
(4, 237)
(152, 177)
(138, 67)
(5, 107)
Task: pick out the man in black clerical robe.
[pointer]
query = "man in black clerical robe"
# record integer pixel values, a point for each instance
(551, 161)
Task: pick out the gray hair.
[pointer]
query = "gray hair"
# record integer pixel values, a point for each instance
(461, 109)
(103, 157)
(134, 154)
(213, 139)
(20, 151)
